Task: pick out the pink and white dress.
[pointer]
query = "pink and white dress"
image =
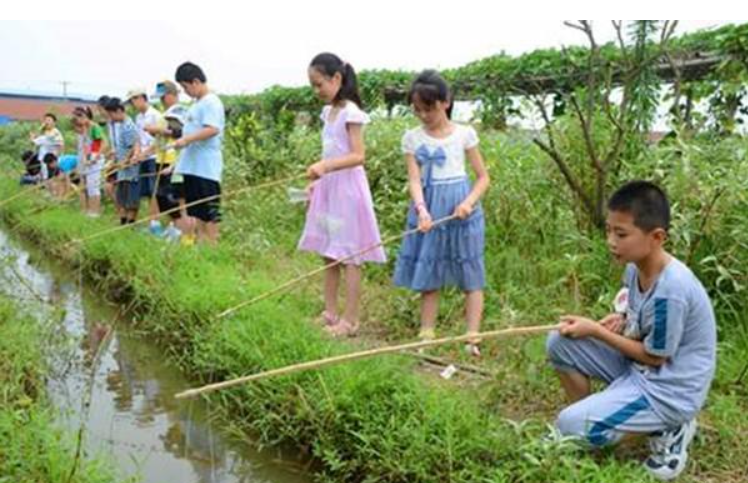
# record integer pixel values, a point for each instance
(340, 220)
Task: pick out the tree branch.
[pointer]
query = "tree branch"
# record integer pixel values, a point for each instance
(567, 174)
(556, 156)
(618, 27)
(586, 133)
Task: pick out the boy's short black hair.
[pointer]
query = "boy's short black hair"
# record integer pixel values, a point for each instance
(189, 72)
(50, 158)
(103, 101)
(49, 114)
(646, 202)
(114, 105)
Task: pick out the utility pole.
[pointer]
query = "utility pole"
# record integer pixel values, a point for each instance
(65, 89)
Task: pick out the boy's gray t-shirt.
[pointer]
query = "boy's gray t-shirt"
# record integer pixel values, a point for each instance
(674, 319)
(124, 138)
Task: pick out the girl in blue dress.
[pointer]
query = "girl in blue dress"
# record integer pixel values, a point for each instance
(451, 253)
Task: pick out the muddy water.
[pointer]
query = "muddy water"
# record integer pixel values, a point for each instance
(110, 380)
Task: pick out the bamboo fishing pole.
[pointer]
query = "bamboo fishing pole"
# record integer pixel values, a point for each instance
(178, 208)
(36, 187)
(114, 168)
(316, 271)
(13, 173)
(155, 192)
(156, 184)
(140, 176)
(26, 191)
(107, 172)
(103, 179)
(30, 189)
(329, 361)
(110, 169)
(77, 189)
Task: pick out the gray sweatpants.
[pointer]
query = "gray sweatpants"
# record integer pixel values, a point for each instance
(604, 417)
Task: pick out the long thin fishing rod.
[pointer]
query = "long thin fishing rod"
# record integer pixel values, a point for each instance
(316, 271)
(329, 361)
(36, 187)
(77, 190)
(26, 191)
(103, 179)
(178, 208)
(140, 176)
(155, 187)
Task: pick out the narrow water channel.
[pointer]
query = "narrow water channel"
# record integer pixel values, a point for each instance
(132, 417)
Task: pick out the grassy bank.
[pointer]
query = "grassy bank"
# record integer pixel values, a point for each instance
(32, 448)
(382, 420)
(365, 421)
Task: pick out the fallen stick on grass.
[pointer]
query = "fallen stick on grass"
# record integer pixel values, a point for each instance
(444, 363)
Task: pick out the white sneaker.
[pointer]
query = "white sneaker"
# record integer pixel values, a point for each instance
(172, 234)
(670, 452)
(155, 228)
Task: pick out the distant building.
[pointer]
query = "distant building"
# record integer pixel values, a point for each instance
(17, 106)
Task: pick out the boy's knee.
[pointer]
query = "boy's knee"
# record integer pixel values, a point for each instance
(555, 347)
(571, 422)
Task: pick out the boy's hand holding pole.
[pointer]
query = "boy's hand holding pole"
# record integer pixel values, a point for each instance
(578, 327)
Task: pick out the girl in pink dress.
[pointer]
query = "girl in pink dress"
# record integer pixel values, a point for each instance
(340, 221)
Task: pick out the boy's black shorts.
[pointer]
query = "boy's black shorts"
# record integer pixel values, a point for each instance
(148, 172)
(196, 188)
(177, 184)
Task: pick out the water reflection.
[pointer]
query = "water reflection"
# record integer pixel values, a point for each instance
(132, 415)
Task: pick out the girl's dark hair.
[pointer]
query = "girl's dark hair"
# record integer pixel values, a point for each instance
(431, 87)
(52, 116)
(83, 111)
(328, 65)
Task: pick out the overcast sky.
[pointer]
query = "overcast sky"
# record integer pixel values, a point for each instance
(273, 45)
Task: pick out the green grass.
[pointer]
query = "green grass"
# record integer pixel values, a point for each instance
(375, 420)
(383, 420)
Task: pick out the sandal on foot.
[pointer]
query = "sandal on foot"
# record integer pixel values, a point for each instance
(472, 347)
(427, 334)
(327, 319)
(342, 329)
